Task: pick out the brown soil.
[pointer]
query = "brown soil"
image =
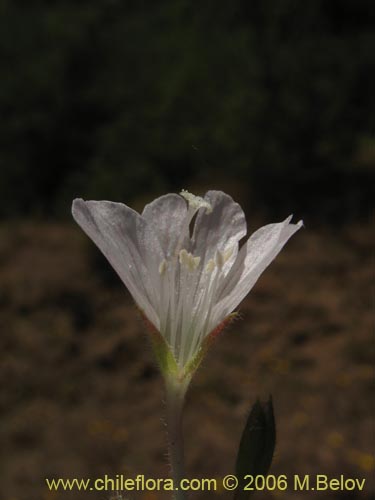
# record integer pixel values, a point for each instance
(81, 397)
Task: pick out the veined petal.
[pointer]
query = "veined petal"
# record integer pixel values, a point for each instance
(167, 215)
(221, 229)
(185, 286)
(257, 253)
(129, 244)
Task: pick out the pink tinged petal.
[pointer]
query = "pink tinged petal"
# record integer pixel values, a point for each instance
(253, 258)
(167, 215)
(215, 238)
(220, 229)
(126, 240)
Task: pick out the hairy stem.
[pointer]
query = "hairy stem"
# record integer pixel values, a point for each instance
(175, 396)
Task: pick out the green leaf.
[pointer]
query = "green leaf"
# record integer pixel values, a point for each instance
(256, 446)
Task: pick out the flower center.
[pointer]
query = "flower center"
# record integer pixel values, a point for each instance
(188, 296)
(188, 291)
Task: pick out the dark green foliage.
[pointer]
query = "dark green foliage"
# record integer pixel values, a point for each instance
(256, 447)
(108, 99)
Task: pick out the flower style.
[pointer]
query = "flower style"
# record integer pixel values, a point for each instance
(186, 275)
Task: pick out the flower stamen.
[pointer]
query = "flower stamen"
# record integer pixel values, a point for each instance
(188, 260)
(210, 266)
(162, 267)
(196, 202)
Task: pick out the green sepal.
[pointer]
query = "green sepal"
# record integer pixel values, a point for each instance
(194, 363)
(164, 356)
(257, 446)
(167, 361)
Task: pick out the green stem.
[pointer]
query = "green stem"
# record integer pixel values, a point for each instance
(175, 397)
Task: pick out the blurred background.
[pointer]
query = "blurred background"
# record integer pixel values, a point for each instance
(267, 100)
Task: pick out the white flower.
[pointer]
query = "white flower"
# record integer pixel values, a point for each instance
(186, 275)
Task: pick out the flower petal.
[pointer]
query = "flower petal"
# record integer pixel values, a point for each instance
(167, 215)
(253, 258)
(126, 240)
(221, 229)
